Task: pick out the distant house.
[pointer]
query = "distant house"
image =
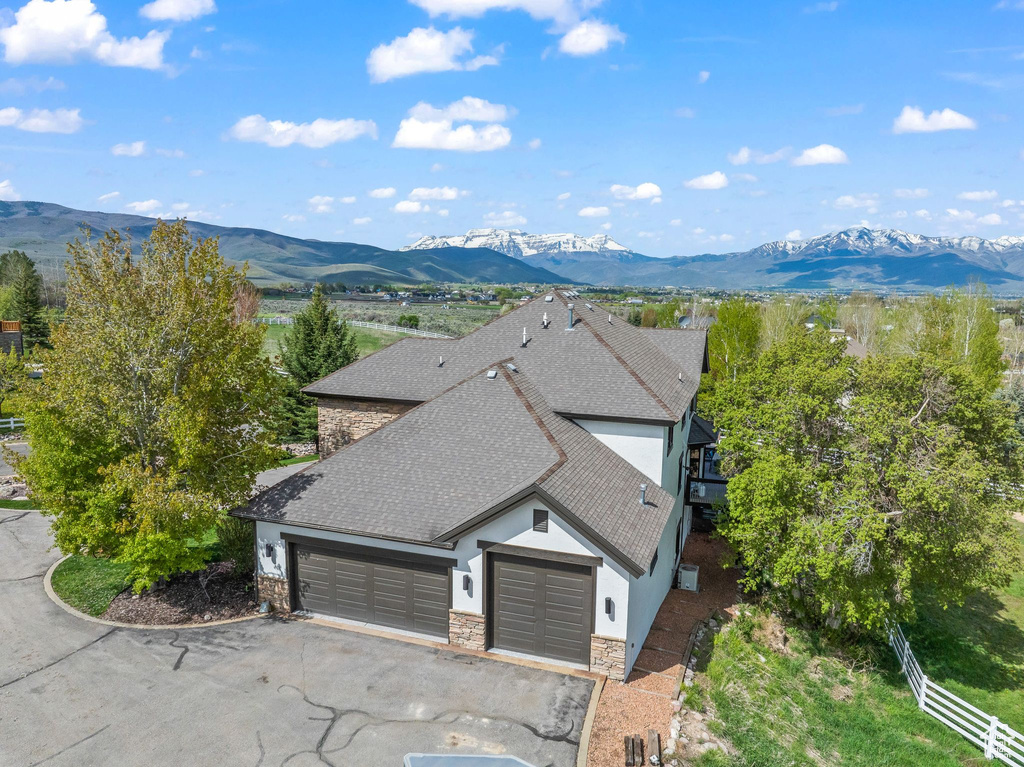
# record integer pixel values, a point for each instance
(511, 491)
(10, 337)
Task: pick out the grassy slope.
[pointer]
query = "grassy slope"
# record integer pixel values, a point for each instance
(367, 340)
(977, 651)
(807, 708)
(89, 583)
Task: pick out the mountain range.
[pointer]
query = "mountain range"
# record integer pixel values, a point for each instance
(43, 230)
(852, 258)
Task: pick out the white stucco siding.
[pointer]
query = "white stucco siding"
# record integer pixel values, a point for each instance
(641, 444)
(514, 527)
(647, 592)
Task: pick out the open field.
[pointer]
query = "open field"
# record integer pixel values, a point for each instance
(367, 340)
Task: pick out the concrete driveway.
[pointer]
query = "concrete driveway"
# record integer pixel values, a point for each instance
(257, 693)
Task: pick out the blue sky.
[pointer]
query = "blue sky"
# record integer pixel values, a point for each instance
(675, 127)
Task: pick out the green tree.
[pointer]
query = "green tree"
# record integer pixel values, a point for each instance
(147, 425)
(12, 375)
(319, 343)
(409, 321)
(856, 485)
(734, 339)
(18, 272)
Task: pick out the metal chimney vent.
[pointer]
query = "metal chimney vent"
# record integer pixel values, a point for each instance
(571, 307)
(643, 495)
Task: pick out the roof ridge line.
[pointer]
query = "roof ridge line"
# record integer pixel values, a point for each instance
(562, 457)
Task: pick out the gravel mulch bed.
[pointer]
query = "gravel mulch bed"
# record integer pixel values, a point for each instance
(183, 599)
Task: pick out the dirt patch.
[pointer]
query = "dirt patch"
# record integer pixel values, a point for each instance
(772, 634)
(185, 600)
(842, 693)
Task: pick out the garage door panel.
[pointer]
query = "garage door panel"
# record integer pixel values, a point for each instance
(400, 595)
(541, 607)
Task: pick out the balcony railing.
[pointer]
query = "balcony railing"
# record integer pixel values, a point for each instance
(8, 326)
(705, 492)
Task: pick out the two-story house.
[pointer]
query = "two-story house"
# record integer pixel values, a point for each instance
(518, 490)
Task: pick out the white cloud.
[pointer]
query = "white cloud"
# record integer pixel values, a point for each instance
(321, 203)
(382, 193)
(590, 37)
(823, 154)
(177, 10)
(865, 201)
(293, 218)
(564, 196)
(686, 113)
(823, 7)
(410, 206)
(968, 216)
(606, 225)
(425, 50)
(42, 120)
(911, 194)
(645, 191)
(534, 143)
(144, 206)
(922, 213)
(62, 31)
(725, 238)
(362, 220)
(505, 218)
(316, 134)
(466, 109)
(134, 149)
(7, 191)
(913, 120)
(197, 172)
(716, 180)
(676, 222)
(15, 87)
(562, 11)
(108, 196)
(795, 234)
(593, 211)
(435, 193)
(749, 178)
(177, 154)
(347, 200)
(436, 167)
(979, 196)
(443, 212)
(991, 219)
(703, 76)
(699, 231)
(197, 53)
(900, 214)
(745, 155)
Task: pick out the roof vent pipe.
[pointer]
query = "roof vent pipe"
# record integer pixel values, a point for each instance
(643, 495)
(544, 322)
(571, 307)
(524, 337)
(609, 319)
(440, 362)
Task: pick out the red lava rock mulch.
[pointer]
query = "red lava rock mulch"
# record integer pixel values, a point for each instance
(183, 599)
(644, 701)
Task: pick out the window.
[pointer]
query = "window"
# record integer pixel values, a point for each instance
(654, 563)
(679, 481)
(540, 520)
(671, 434)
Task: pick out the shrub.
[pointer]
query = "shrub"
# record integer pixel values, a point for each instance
(236, 541)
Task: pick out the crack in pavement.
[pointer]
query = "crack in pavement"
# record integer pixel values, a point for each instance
(335, 717)
(184, 651)
(13, 518)
(68, 748)
(51, 664)
(263, 751)
(23, 578)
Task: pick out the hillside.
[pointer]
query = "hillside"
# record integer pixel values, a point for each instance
(43, 229)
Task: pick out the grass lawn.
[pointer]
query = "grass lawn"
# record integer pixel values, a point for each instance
(89, 583)
(805, 707)
(977, 651)
(297, 459)
(367, 340)
(22, 504)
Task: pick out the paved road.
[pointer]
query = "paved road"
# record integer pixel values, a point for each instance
(19, 447)
(258, 693)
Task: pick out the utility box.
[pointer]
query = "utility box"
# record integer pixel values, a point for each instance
(686, 577)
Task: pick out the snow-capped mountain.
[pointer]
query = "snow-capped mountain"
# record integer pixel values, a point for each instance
(519, 244)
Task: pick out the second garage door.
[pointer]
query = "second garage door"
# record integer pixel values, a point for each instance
(373, 589)
(541, 608)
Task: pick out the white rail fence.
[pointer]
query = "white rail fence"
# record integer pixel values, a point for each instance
(996, 739)
(359, 324)
(12, 423)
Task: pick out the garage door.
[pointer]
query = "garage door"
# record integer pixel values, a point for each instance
(373, 589)
(541, 608)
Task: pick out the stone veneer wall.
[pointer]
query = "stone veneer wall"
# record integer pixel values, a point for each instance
(341, 421)
(608, 656)
(275, 591)
(467, 630)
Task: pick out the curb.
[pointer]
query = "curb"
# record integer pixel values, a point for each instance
(48, 587)
(583, 751)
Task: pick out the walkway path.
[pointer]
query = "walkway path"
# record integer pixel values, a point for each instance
(644, 701)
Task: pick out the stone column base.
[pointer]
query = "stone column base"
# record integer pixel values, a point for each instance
(274, 590)
(467, 630)
(608, 656)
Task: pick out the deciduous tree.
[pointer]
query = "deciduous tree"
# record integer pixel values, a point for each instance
(148, 424)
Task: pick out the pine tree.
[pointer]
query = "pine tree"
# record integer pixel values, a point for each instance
(19, 273)
(320, 342)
